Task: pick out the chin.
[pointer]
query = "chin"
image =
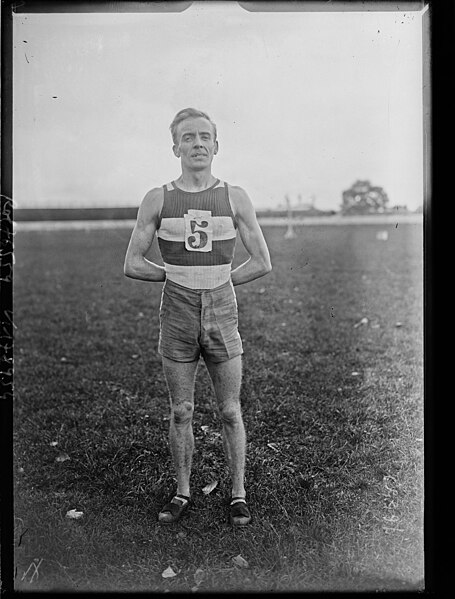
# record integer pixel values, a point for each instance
(201, 165)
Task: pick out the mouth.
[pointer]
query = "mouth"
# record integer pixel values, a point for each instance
(198, 155)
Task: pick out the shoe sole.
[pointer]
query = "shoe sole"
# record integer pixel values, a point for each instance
(238, 524)
(176, 519)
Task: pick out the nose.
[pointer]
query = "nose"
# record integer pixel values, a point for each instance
(197, 141)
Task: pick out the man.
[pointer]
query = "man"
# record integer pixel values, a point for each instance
(196, 218)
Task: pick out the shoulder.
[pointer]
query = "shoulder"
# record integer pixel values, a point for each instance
(154, 196)
(151, 205)
(237, 193)
(240, 200)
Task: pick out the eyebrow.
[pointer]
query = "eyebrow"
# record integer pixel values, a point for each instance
(192, 133)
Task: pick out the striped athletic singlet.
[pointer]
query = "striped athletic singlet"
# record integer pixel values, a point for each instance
(196, 236)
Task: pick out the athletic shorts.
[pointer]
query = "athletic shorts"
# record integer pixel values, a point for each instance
(199, 322)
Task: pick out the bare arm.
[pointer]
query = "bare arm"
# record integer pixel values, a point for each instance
(136, 264)
(251, 235)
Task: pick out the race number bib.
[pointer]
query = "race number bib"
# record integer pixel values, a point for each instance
(198, 230)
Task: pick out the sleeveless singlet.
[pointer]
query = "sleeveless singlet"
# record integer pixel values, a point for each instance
(196, 236)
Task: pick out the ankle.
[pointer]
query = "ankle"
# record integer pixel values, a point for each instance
(184, 493)
(238, 495)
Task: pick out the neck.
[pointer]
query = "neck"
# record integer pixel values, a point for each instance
(195, 181)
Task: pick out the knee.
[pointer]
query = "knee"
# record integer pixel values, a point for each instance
(231, 415)
(182, 413)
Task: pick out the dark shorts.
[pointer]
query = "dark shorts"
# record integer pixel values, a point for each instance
(199, 322)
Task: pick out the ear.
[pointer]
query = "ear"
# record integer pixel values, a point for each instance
(216, 147)
(176, 151)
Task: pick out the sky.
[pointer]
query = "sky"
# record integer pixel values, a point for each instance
(305, 102)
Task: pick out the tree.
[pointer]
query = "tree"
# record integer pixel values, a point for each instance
(363, 198)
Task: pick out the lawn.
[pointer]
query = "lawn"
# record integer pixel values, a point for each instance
(332, 400)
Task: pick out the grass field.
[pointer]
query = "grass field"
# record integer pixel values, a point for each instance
(333, 411)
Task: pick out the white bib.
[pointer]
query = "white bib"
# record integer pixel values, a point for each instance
(198, 230)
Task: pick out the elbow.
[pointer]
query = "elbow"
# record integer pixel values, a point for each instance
(267, 266)
(131, 265)
(128, 270)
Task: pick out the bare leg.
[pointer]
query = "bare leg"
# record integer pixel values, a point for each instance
(180, 378)
(227, 378)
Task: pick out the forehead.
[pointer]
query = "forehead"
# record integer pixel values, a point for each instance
(195, 125)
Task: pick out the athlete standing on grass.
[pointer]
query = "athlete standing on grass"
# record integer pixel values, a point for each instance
(195, 219)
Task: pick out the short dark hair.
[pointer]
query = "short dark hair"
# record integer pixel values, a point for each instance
(188, 113)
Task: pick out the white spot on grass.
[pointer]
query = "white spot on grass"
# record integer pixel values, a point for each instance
(240, 561)
(168, 573)
(209, 488)
(62, 457)
(74, 514)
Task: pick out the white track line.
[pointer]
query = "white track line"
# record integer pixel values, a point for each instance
(87, 225)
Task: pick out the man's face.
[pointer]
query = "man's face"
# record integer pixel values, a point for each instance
(196, 144)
